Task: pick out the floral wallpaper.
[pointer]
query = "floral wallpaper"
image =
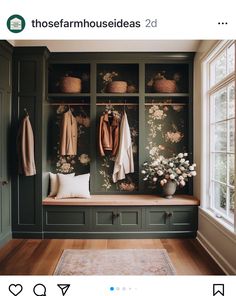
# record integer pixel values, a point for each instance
(68, 164)
(166, 129)
(105, 164)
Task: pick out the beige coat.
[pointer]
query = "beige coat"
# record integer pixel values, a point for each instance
(124, 163)
(68, 137)
(26, 148)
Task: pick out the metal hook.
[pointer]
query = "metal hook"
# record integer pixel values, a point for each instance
(26, 113)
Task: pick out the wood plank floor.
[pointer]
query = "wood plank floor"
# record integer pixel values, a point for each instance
(40, 257)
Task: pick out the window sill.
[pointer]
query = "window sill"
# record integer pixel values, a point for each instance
(221, 225)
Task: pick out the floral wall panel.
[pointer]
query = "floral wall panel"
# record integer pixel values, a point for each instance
(105, 164)
(166, 130)
(79, 164)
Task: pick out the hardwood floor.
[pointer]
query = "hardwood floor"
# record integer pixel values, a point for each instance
(40, 257)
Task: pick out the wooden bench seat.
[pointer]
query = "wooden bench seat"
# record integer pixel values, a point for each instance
(123, 200)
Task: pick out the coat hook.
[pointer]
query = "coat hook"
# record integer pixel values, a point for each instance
(26, 112)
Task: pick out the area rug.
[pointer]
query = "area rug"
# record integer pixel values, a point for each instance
(115, 262)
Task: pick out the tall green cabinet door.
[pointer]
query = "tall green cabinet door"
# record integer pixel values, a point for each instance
(5, 112)
(29, 89)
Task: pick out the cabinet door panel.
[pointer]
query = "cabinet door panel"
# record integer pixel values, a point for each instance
(103, 218)
(66, 218)
(156, 218)
(129, 218)
(183, 218)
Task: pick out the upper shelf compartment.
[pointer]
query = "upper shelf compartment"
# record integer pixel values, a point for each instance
(69, 79)
(118, 78)
(166, 78)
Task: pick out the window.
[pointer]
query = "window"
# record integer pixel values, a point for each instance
(220, 69)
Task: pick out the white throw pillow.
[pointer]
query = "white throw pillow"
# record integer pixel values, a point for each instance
(54, 183)
(77, 186)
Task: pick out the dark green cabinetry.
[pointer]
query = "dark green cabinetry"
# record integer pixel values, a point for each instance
(120, 221)
(35, 87)
(117, 218)
(5, 155)
(29, 84)
(174, 218)
(67, 219)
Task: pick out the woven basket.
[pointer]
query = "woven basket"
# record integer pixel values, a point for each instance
(164, 86)
(117, 87)
(70, 85)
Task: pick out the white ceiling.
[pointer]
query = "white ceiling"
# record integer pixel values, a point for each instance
(112, 45)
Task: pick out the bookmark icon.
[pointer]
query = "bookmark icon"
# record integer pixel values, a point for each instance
(64, 288)
(218, 290)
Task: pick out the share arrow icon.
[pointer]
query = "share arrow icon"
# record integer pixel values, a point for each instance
(64, 288)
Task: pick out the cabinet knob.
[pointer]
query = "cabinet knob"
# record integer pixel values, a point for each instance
(3, 183)
(118, 215)
(169, 214)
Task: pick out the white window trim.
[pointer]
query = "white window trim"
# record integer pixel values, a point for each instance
(205, 132)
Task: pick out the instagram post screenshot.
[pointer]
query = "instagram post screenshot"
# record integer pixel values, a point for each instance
(117, 148)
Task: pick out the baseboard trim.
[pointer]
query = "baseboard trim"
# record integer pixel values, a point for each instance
(216, 256)
(118, 235)
(6, 238)
(29, 235)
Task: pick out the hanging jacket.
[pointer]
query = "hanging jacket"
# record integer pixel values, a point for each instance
(68, 134)
(26, 148)
(124, 163)
(109, 134)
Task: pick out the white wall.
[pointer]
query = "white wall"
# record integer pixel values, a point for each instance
(218, 241)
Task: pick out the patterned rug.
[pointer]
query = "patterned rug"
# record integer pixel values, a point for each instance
(115, 262)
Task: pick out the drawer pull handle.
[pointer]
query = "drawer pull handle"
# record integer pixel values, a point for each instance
(115, 215)
(169, 214)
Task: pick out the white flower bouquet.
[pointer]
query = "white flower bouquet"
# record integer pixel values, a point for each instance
(176, 169)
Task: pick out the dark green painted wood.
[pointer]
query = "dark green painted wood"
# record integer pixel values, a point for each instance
(129, 218)
(120, 221)
(29, 68)
(30, 78)
(5, 120)
(120, 235)
(184, 218)
(156, 218)
(140, 59)
(67, 218)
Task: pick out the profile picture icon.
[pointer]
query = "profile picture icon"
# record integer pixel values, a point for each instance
(16, 23)
(39, 290)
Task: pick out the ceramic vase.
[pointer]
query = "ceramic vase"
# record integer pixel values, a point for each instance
(169, 189)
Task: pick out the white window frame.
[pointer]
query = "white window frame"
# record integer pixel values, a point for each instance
(207, 91)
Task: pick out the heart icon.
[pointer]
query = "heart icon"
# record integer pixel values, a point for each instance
(15, 289)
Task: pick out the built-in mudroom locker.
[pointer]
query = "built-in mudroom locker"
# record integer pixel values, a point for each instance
(148, 94)
(5, 131)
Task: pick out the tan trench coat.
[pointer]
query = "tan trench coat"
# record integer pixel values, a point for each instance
(68, 135)
(26, 148)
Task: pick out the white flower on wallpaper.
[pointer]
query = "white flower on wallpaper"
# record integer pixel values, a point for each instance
(166, 127)
(174, 137)
(156, 113)
(65, 164)
(84, 159)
